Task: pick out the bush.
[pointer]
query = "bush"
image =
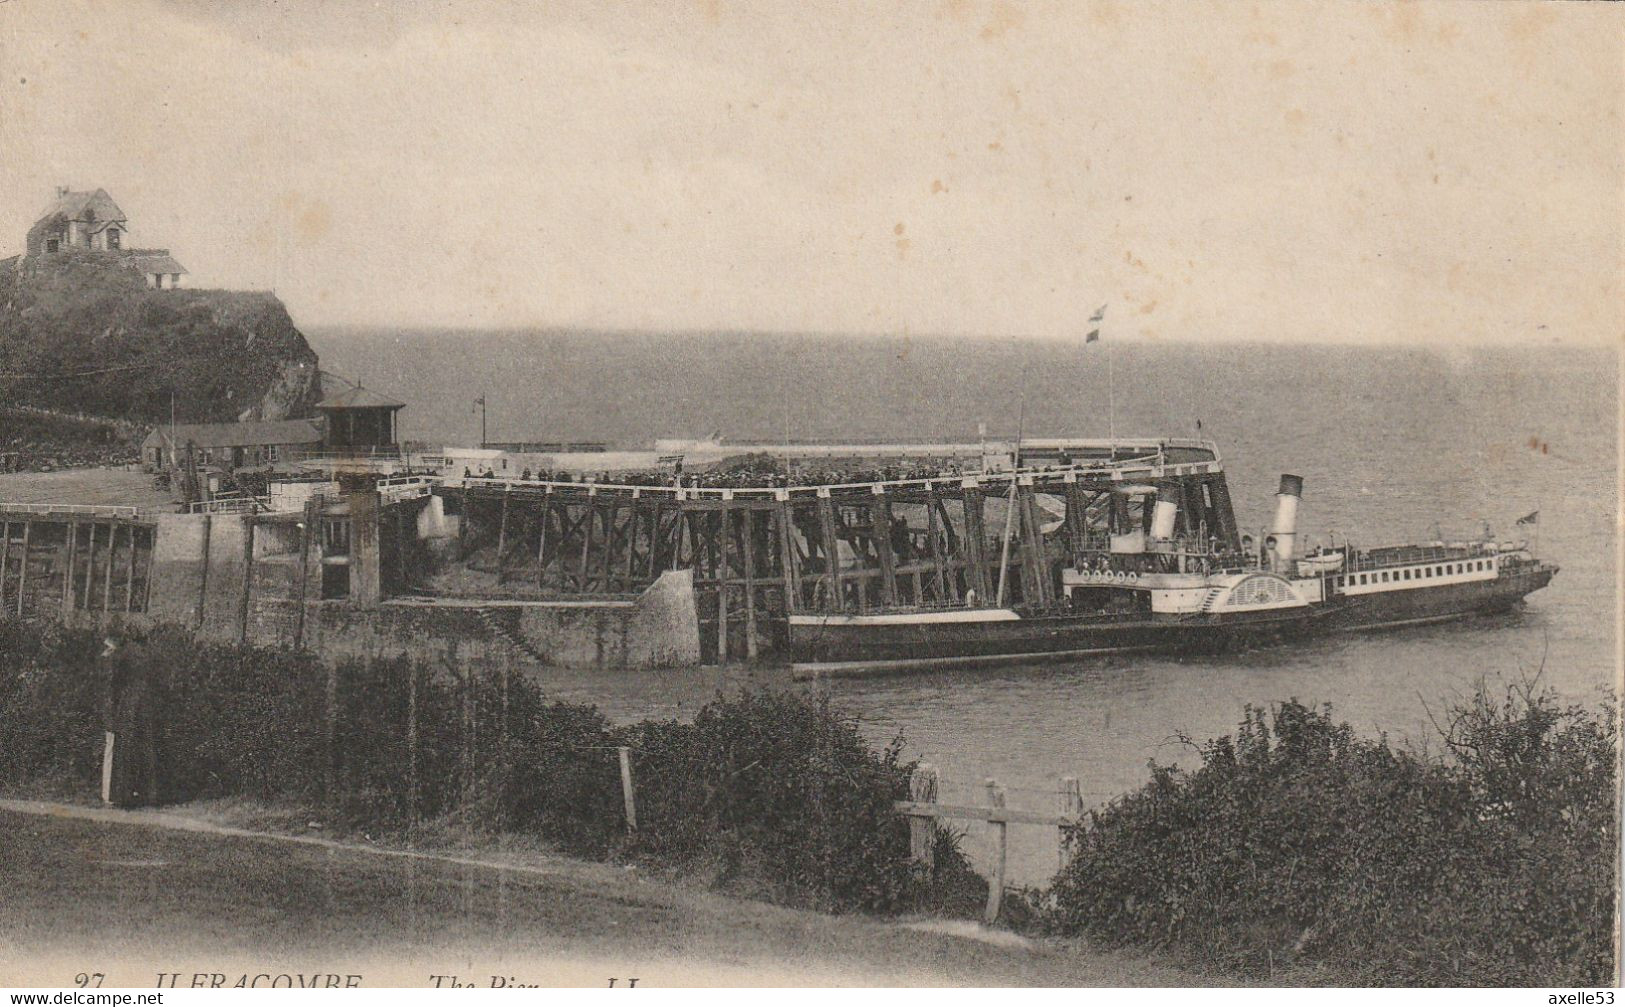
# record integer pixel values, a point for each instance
(50, 708)
(1297, 840)
(237, 720)
(772, 795)
(779, 795)
(565, 781)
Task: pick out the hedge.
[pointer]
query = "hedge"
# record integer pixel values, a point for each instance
(772, 795)
(1295, 842)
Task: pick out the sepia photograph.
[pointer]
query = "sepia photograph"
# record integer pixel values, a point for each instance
(751, 493)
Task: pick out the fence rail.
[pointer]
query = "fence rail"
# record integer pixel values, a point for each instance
(923, 810)
(1017, 816)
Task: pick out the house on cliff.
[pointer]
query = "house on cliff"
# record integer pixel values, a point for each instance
(91, 221)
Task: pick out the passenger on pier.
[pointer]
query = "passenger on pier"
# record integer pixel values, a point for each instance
(467, 474)
(525, 475)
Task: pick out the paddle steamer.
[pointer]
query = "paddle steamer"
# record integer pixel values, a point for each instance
(1143, 555)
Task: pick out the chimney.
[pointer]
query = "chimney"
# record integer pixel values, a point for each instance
(1284, 532)
(61, 191)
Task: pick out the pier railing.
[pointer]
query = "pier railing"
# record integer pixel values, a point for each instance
(1146, 467)
(230, 505)
(48, 510)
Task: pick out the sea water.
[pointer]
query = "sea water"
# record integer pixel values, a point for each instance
(1395, 444)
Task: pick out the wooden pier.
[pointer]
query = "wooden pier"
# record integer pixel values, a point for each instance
(761, 554)
(61, 560)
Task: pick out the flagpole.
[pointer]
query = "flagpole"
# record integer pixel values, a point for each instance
(1096, 320)
(1111, 402)
(784, 393)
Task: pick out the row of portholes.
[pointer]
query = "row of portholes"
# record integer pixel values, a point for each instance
(1418, 573)
(1109, 576)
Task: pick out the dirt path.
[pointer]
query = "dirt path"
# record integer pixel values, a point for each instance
(135, 894)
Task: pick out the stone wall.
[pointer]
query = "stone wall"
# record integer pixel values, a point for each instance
(656, 630)
(179, 563)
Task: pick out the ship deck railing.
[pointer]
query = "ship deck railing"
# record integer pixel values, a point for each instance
(1199, 555)
(1406, 555)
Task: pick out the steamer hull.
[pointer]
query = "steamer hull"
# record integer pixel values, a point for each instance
(1417, 591)
(989, 635)
(1390, 609)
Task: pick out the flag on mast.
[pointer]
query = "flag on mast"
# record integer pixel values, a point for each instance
(1095, 320)
(1533, 517)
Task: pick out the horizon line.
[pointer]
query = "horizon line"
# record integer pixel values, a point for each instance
(1543, 341)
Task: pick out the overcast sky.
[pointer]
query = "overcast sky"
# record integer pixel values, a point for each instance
(1282, 171)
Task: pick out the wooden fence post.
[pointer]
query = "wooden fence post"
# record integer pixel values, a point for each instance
(504, 749)
(465, 767)
(995, 884)
(1071, 809)
(330, 735)
(626, 789)
(922, 829)
(412, 802)
(22, 571)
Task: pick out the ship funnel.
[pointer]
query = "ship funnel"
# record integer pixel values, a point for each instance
(1284, 532)
(1162, 519)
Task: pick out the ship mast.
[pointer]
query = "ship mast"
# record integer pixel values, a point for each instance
(1111, 402)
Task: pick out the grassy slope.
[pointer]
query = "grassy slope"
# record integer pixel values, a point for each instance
(91, 886)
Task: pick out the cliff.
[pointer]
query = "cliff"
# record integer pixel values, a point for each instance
(80, 331)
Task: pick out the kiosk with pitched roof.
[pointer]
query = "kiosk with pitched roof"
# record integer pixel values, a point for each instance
(358, 419)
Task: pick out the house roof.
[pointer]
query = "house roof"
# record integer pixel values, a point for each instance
(341, 393)
(96, 208)
(155, 262)
(238, 435)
